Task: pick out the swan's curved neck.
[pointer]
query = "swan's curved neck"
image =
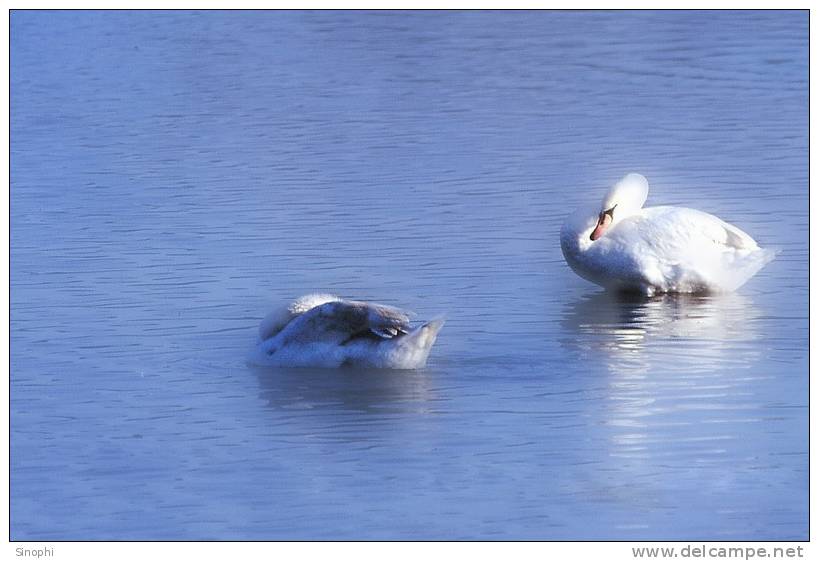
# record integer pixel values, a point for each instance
(626, 197)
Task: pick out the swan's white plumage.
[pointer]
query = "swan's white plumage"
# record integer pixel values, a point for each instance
(325, 331)
(659, 249)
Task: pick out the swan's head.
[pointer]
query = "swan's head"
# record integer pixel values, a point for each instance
(625, 198)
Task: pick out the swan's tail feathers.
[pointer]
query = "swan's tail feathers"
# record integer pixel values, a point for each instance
(770, 254)
(417, 344)
(428, 332)
(749, 265)
(762, 257)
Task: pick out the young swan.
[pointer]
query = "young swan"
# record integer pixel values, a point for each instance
(322, 330)
(622, 246)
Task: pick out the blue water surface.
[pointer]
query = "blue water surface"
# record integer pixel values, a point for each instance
(176, 174)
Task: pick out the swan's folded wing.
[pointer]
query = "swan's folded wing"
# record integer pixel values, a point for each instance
(691, 228)
(338, 322)
(738, 239)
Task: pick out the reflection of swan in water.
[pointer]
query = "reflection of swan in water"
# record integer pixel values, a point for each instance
(696, 331)
(368, 390)
(671, 383)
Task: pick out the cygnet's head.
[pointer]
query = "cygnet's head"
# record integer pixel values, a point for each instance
(625, 198)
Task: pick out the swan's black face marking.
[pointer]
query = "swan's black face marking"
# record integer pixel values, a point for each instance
(610, 212)
(604, 220)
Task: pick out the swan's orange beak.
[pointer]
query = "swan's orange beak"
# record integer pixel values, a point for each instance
(602, 223)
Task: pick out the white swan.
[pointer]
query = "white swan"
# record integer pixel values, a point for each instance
(322, 330)
(622, 246)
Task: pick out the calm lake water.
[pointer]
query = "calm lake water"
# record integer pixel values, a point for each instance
(174, 175)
